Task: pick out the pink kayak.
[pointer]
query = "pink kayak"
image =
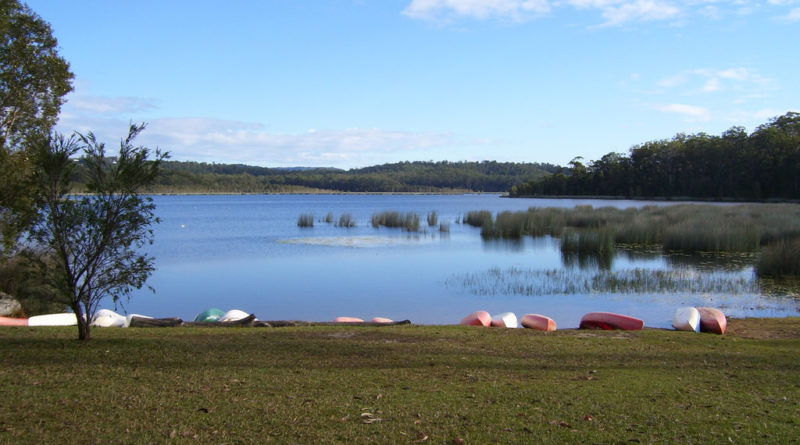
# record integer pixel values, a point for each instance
(347, 320)
(538, 322)
(478, 318)
(609, 321)
(712, 320)
(11, 321)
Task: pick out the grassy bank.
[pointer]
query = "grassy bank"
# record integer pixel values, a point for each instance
(403, 384)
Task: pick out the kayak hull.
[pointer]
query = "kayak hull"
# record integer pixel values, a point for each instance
(65, 319)
(538, 322)
(712, 320)
(234, 315)
(478, 318)
(347, 320)
(611, 321)
(13, 321)
(212, 314)
(105, 318)
(505, 320)
(382, 320)
(686, 319)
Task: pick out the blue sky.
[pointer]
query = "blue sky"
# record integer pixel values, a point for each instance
(352, 83)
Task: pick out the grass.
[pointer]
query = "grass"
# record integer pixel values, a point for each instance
(305, 220)
(403, 384)
(407, 221)
(346, 220)
(780, 259)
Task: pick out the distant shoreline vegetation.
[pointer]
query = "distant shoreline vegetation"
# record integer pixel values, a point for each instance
(762, 165)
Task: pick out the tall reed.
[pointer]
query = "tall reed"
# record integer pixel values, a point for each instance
(780, 259)
(478, 218)
(408, 221)
(306, 220)
(346, 220)
(433, 218)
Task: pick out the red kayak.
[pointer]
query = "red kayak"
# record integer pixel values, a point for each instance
(11, 321)
(610, 321)
(478, 318)
(538, 322)
(712, 320)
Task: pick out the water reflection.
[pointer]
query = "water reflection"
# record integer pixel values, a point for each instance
(588, 260)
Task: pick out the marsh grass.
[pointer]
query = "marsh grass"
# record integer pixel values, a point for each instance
(329, 217)
(397, 385)
(780, 259)
(407, 221)
(684, 227)
(433, 218)
(305, 220)
(346, 220)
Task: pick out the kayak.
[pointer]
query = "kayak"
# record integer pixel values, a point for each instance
(712, 320)
(130, 317)
(212, 314)
(382, 320)
(478, 318)
(105, 318)
(538, 322)
(233, 315)
(505, 320)
(686, 319)
(65, 319)
(347, 320)
(610, 320)
(13, 321)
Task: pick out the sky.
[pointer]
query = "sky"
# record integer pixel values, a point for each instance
(355, 83)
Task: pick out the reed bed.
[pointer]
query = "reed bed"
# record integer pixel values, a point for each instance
(305, 220)
(433, 219)
(407, 221)
(478, 218)
(346, 220)
(532, 282)
(780, 259)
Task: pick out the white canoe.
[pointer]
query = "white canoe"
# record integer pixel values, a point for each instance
(105, 318)
(234, 315)
(65, 319)
(505, 320)
(686, 319)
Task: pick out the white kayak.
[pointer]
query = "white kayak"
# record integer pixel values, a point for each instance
(65, 319)
(686, 319)
(233, 315)
(130, 317)
(505, 320)
(105, 318)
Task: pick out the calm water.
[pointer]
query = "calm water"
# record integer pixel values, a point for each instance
(246, 252)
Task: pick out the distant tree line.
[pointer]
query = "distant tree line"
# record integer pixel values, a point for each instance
(402, 177)
(764, 164)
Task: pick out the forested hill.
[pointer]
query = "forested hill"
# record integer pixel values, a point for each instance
(764, 164)
(403, 177)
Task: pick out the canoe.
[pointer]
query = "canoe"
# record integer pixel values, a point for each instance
(712, 320)
(212, 314)
(105, 318)
(347, 320)
(610, 320)
(13, 321)
(538, 322)
(686, 319)
(478, 318)
(505, 320)
(65, 319)
(381, 320)
(234, 315)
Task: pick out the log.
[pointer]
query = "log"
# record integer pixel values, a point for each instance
(146, 322)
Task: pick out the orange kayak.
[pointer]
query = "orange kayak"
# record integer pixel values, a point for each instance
(478, 318)
(538, 322)
(712, 320)
(11, 321)
(609, 321)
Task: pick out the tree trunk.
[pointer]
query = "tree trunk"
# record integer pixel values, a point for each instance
(84, 324)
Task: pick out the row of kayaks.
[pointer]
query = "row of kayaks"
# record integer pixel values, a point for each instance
(700, 319)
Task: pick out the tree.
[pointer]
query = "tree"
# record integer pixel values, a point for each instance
(92, 243)
(33, 82)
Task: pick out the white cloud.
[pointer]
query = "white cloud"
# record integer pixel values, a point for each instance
(443, 10)
(639, 11)
(792, 16)
(743, 81)
(97, 104)
(690, 112)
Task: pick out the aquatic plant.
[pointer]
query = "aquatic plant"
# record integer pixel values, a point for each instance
(346, 220)
(305, 220)
(444, 227)
(780, 259)
(329, 217)
(478, 218)
(408, 221)
(433, 218)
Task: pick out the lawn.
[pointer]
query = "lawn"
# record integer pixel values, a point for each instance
(401, 384)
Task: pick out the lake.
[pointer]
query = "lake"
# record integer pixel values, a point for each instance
(247, 252)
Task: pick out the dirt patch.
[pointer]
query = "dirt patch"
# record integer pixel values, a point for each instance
(764, 327)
